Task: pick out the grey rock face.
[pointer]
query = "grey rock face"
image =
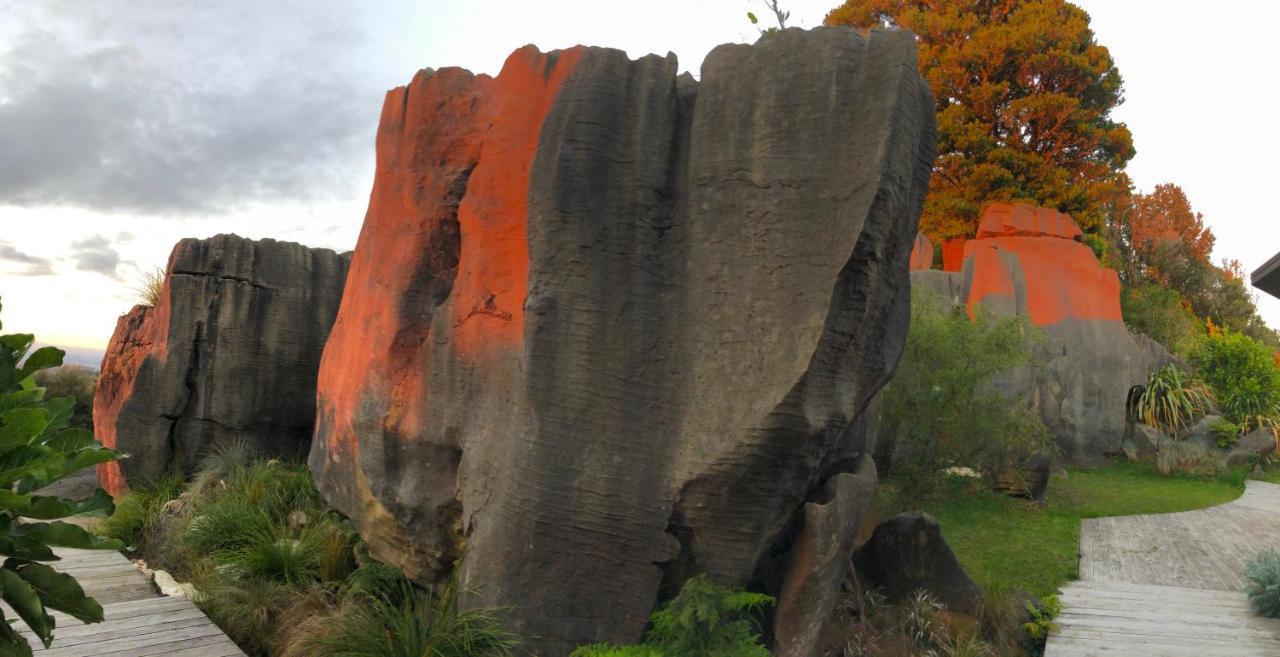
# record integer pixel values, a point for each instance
(715, 289)
(231, 352)
(907, 554)
(1202, 434)
(819, 560)
(1261, 442)
(1145, 442)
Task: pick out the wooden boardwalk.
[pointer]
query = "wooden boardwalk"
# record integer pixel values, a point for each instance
(139, 622)
(1171, 585)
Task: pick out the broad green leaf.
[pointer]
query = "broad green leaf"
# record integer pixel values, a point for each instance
(70, 440)
(21, 426)
(41, 507)
(60, 412)
(42, 359)
(19, 343)
(752, 17)
(61, 591)
(26, 602)
(63, 534)
(25, 548)
(13, 644)
(20, 399)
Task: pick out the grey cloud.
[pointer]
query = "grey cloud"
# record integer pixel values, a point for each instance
(35, 266)
(163, 108)
(96, 254)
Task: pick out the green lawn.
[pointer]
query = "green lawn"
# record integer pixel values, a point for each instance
(1009, 544)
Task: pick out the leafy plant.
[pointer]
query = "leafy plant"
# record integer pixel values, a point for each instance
(779, 14)
(941, 406)
(1263, 574)
(75, 382)
(1225, 433)
(411, 623)
(1041, 623)
(703, 620)
(38, 447)
(1173, 399)
(1244, 376)
(1162, 315)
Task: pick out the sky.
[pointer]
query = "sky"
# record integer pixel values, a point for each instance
(128, 125)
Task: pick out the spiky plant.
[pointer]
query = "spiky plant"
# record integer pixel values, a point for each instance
(1173, 399)
(151, 287)
(412, 623)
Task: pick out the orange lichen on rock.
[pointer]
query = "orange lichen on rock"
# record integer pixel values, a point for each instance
(953, 255)
(1059, 277)
(442, 262)
(921, 253)
(1023, 220)
(139, 333)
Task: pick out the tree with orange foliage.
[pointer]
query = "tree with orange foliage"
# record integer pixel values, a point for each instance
(1166, 214)
(1024, 95)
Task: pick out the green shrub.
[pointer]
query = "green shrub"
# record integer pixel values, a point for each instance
(703, 620)
(410, 623)
(138, 510)
(940, 408)
(1041, 623)
(1263, 574)
(75, 382)
(1162, 315)
(1244, 377)
(1225, 433)
(1173, 400)
(39, 447)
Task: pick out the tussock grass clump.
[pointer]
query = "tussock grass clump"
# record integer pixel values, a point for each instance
(1173, 400)
(282, 574)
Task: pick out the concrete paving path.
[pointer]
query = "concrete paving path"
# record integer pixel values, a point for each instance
(1171, 585)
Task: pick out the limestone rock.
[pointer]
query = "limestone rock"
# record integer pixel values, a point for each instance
(608, 328)
(907, 554)
(921, 253)
(819, 560)
(1260, 443)
(1202, 433)
(1145, 442)
(230, 352)
(1025, 261)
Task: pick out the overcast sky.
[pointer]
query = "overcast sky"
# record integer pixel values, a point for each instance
(125, 126)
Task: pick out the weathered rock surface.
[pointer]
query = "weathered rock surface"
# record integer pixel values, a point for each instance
(907, 554)
(1026, 261)
(607, 327)
(819, 560)
(1202, 432)
(1260, 443)
(921, 253)
(231, 352)
(1145, 442)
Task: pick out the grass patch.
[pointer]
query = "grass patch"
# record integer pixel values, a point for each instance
(1007, 544)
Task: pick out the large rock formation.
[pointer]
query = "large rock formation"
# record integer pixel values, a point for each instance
(230, 352)
(1029, 261)
(607, 327)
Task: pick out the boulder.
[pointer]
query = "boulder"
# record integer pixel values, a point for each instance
(1260, 443)
(1145, 442)
(907, 554)
(1030, 481)
(921, 253)
(230, 352)
(1201, 433)
(819, 560)
(1026, 261)
(608, 327)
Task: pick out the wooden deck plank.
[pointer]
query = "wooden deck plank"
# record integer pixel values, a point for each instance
(1170, 585)
(138, 621)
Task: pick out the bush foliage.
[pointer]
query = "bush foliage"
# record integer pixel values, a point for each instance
(1162, 315)
(942, 409)
(39, 447)
(1243, 375)
(1263, 574)
(703, 620)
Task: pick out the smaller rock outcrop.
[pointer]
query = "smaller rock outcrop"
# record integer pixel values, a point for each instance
(909, 554)
(921, 253)
(1259, 444)
(819, 560)
(230, 352)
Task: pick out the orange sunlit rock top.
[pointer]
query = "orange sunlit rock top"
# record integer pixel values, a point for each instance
(1023, 220)
(1062, 278)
